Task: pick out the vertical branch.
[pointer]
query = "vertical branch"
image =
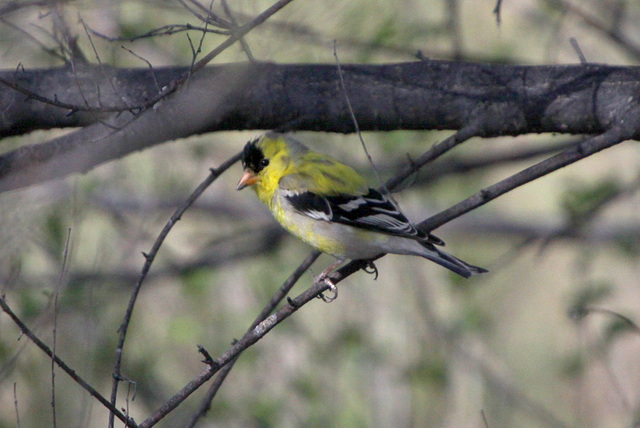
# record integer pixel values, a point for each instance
(356, 126)
(15, 405)
(453, 25)
(149, 258)
(497, 11)
(55, 328)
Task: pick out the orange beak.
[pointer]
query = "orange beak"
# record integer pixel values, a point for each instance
(249, 178)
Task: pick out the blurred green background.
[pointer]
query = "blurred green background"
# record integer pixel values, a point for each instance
(529, 344)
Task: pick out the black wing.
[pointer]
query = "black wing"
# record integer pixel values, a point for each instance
(373, 211)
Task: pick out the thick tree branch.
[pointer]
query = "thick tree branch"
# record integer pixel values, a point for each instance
(502, 100)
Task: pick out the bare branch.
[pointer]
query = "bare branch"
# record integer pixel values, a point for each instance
(55, 326)
(576, 47)
(54, 53)
(572, 155)
(240, 32)
(611, 31)
(245, 342)
(243, 41)
(165, 30)
(569, 99)
(72, 374)
(497, 11)
(433, 153)
(149, 258)
(282, 292)
(15, 5)
(15, 405)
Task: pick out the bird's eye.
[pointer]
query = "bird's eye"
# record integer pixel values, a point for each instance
(264, 163)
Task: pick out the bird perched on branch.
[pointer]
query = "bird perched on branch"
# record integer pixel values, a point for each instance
(329, 206)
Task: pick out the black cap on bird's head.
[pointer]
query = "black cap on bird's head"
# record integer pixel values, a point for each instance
(253, 161)
(252, 156)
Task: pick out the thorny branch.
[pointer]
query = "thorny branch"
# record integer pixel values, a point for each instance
(149, 258)
(282, 292)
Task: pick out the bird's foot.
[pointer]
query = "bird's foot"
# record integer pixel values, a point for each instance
(332, 288)
(371, 268)
(324, 277)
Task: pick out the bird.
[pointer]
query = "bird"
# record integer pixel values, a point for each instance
(330, 206)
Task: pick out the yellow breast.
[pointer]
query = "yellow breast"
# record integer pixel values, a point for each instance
(317, 233)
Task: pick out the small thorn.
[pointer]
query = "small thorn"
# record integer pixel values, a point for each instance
(207, 357)
(292, 302)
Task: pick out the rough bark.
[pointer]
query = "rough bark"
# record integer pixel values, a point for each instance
(496, 99)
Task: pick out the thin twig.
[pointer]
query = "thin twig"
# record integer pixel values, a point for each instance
(165, 30)
(29, 36)
(243, 41)
(453, 26)
(240, 32)
(576, 47)
(208, 16)
(250, 338)
(497, 11)
(484, 419)
(72, 107)
(628, 321)
(601, 353)
(196, 51)
(153, 74)
(15, 405)
(63, 36)
(586, 148)
(266, 311)
(149, 258)
(465, 165)
(612, 31)
(237, 34)
(433, 153)
(356, 126)
(55, 327)
(68, 370)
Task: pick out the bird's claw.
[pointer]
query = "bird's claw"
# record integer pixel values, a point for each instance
(371, 268)
(332, 288)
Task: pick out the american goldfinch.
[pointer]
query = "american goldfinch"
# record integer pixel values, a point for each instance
(329, 206)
